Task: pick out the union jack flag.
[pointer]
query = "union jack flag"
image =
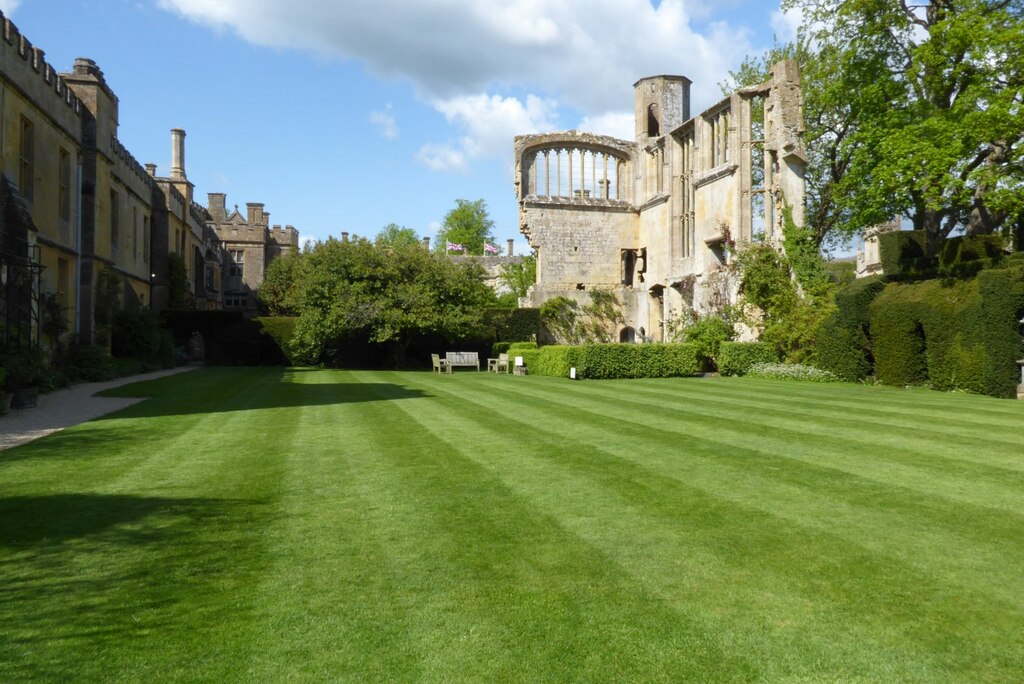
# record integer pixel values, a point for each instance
(454, 247)
(490, 249)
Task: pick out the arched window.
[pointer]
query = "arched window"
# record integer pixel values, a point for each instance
(653, 126)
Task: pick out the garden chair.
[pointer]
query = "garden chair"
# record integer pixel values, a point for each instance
(438, 364)
(498, 365)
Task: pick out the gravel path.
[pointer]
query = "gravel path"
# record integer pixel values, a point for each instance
(67, 407)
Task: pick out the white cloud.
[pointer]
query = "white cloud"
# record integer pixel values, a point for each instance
(385, 122)
(439, 157)
(588, 52)
(616, 124)
(8, 6)
(786, 23)
(488, 124)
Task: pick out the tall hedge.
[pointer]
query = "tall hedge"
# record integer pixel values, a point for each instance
(951, 334)
(514, 325)
(904, 255)
(843, 342)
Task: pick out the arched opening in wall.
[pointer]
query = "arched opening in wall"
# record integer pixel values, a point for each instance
(575, 172)
(627, 334)
(653, 125)
(196, 346)
(628, 266)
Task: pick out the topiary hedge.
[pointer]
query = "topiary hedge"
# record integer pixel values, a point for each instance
(904, 255)
(843, 341)
(951, 334)
(736, 358)
(514, 325)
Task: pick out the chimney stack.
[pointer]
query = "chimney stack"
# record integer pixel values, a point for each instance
(344, 236)
(151, 169)
(215, 204)
(511, 243)
(426, 243)
(178, 154)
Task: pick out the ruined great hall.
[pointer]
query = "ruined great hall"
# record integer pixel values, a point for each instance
(654, 220)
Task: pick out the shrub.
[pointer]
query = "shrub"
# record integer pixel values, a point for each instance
(499, 348)
(790, 371)
(522, 345)
(514, 325)
(707, 335)
(556, 360)
(736, 358)
(531, 358)
(136, 333)
(609, 361)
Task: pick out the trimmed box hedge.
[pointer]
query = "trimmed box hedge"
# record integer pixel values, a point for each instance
(611, 361)
(736, 358)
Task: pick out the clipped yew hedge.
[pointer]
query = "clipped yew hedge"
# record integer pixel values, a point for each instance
(951, 334)
(736, 358)
(843, 343)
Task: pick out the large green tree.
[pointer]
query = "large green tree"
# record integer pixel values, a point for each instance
(468, 224)
(358, 291)
(519, 276)
(927, 97)
(394, 235)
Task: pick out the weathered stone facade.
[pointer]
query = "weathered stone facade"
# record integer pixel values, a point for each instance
(653, 220)
(250, 244)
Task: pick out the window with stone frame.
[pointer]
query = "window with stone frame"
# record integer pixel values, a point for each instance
(27, 159)
(236, 259)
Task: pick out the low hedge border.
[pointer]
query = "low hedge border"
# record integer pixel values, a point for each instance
(736, 358)
(614, 361)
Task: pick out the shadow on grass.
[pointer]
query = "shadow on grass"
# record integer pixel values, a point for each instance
(100, 576)
(217, 390)
(55, 518)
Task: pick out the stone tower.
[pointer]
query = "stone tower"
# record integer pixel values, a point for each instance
(662, 105)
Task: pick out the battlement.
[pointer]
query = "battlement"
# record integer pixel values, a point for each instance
(15, 48)
(286, 237)
(198, 213)
(122, 153)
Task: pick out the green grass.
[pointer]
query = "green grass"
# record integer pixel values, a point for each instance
(270, 525)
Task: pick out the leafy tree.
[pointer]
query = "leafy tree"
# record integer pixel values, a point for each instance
(468, 225)
(356, 290)
(279, 288)
(394, 235)
(928, 97)
(519, 277)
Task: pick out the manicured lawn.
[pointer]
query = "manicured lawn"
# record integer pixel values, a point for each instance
(271, 525)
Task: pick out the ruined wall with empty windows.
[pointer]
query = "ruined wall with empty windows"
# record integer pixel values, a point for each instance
(654, 219)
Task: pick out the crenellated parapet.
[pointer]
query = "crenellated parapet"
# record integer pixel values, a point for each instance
(129, 162)
(26, 68)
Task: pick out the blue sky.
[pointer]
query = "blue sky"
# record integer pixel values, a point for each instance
(348, 115)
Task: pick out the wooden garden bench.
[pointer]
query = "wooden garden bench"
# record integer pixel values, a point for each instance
(466, 359)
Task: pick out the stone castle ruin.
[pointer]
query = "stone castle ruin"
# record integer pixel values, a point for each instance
(653, 220)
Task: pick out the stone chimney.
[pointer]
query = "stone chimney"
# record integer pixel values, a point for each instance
(215, 205)
(151, 170)
(426, 243)
(511, 245)
(344, 236)
(254, 212)
(178, 154)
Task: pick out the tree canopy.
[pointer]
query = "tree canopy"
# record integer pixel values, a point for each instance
(394, 235)
(468, 224)
(361, 291)
(912, 110)
(519, 276)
